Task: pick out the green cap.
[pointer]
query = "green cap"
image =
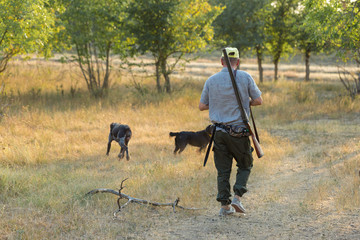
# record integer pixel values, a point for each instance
(231, 52)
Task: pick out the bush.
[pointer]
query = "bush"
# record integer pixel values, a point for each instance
(304, 93)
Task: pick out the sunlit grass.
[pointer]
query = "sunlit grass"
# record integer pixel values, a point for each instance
(53, 145)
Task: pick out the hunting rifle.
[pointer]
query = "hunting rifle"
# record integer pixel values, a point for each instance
(244, 116)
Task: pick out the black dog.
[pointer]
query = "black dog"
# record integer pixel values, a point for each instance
(197, 139)
(121, 134)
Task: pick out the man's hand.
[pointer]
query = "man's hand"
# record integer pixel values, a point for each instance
(203, 106)
(255, 102)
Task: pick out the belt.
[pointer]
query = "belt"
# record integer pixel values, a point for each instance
(225, 127)
(234, 130)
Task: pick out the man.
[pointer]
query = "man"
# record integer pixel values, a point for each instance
(219, 98)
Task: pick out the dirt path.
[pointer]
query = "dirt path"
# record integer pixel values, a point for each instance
(276, 209)
(283, 219)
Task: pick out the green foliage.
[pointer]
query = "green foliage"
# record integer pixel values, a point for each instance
(172, 26)
(95, 28)
(304, 32)
(303, 36)
(280, 19)
(170, 29)
(99, 22)
(241, 24)
(278, 26)
(25, 27)
(337, 23)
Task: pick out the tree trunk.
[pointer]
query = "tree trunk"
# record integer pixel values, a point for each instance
(6, 55)
(276, 62)
(307, 64)
(259, 60)
(167, 83)
(4, 59)
(166, 76)
(157, 69)
(105, 85)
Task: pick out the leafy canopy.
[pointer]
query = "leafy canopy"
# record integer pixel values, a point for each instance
(165, 27)
(26, 26)
(97, 22)
(336, 23)
(241, 24)
(170, 29)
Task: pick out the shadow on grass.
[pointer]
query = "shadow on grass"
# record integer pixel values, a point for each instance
(128, 95)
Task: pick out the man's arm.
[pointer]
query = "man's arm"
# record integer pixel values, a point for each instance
(255, 102)
(203, 106)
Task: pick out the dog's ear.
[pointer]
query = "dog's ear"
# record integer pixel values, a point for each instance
(209, 129)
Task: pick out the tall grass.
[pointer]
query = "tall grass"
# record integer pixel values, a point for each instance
(53, 144)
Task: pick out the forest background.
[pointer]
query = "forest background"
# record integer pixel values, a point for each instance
(70, 68)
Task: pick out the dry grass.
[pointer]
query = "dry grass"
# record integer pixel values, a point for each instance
(52, 150)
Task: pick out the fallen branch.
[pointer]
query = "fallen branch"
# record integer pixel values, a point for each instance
(136, 200)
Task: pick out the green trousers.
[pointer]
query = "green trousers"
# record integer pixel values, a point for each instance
(226, 148)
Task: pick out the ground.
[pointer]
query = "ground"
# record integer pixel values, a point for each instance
(277, 205)
(305, 187)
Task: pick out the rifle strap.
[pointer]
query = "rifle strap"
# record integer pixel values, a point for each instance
(209, 146)
(252, 117)
(253, 121)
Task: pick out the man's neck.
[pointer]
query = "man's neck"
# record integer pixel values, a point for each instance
(232, 67)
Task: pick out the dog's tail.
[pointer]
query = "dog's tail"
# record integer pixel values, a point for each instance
(172, 134)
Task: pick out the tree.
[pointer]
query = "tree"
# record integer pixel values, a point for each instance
(304, 39)
(278, 29)
(241, 25)
(338, 22)
(169, 29)
(25, 27)
(95, 28)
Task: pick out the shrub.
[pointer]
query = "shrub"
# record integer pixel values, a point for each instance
(303, 93)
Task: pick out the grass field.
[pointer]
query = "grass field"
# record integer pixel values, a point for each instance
(53, 143)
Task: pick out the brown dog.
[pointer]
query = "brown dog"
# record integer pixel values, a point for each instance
(121, 134)
(197, 139)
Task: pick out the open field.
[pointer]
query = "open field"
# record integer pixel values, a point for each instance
(53, 145)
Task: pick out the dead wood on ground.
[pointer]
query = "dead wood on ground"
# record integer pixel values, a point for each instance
(130, 199)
